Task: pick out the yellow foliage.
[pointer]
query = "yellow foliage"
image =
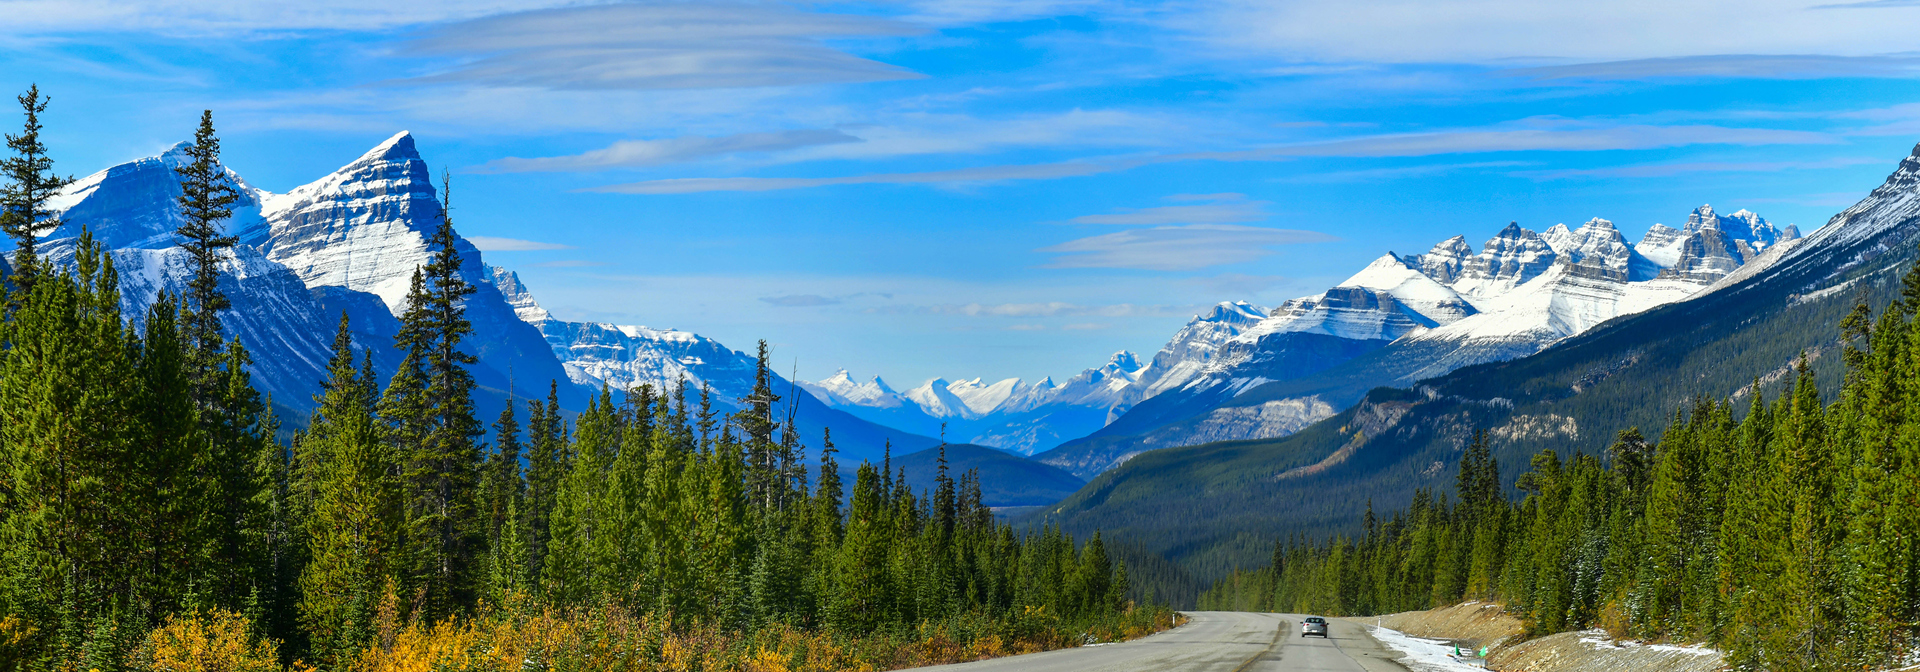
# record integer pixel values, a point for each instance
(217, 641)
(16, 642)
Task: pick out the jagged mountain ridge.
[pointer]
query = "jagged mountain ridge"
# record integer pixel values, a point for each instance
(349, 243)
(1403, 319)
(1010, 414)
(1200, 503)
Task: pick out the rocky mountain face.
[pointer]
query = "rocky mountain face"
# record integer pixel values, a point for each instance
(348, 243)
(1196, 503)
(599, 355)
(1405, 319)
(1030, 417)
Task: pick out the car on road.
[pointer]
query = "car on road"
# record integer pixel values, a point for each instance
(1314, 625)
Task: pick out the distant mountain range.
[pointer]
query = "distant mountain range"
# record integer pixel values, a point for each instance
(1763, 299)
(1242, 371)
(1407, 318)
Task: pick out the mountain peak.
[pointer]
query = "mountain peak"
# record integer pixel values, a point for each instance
(1125, 360)
(397, 148)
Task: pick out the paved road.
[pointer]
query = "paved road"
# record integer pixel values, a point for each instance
(1215, 641)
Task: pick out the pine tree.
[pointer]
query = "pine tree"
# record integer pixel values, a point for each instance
(206, 199)
(31, 184)
(354, 531)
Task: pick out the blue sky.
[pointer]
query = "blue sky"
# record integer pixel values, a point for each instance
(963, 188)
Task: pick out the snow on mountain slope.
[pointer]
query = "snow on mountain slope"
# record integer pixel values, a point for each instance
(841, 390)
(131, 210)
(1430, 302)
(621, 357)
(282, 326)
(1401, 320)
(1446, 261)
(1661, 245)
(1509, 259)
(136, 204)
(366, 227)
(1597, 248)
(1187, 355)
(1009, 414)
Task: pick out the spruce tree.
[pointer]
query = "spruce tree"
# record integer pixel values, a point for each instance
(30, 185)
(206, 200)
(444, 466)
(354, 531)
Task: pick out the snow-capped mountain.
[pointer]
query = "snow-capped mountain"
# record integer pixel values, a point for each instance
(599, 355)
(1038, 416)
(1403, 319)
(1009, 414)
(349, 243)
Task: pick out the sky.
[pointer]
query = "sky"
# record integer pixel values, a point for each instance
(995, 188)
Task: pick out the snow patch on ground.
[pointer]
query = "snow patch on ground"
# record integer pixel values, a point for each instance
(1421, 655)
(1598, 639)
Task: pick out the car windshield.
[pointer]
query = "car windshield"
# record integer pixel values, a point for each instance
(1316, 619)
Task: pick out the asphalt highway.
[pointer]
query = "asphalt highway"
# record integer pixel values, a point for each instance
(1214, 641)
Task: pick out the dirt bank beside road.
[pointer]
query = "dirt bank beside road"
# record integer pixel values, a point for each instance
(1482, 624)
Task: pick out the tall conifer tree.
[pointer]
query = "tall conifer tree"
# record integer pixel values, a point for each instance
(30, 184)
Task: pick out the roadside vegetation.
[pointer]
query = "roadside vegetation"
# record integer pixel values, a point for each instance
(1781, 532)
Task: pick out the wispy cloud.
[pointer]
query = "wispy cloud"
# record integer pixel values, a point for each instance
(1503, 31)
(1524, 136)
(494, 244)
(1670, 169)
(1177, 248)
(1045, 309)
(800, 300)
(179, 17)
(1044, 171)
(1373, 174)
(638, 153)
(1731, 66)
(1633, 136)
(1226, 209)
(658, 46)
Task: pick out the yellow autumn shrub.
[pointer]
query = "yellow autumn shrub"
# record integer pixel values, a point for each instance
(215, 641)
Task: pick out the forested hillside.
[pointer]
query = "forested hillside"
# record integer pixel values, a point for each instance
(149, 520)
(1783, 533)
(1215, 507)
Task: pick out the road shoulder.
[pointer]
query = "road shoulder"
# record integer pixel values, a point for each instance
(1359, 644)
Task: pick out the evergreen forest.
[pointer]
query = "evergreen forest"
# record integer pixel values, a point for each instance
(153, 518)
(1781, 532)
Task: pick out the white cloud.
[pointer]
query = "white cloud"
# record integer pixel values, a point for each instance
(1669, 169)
(636, 153)
(1229, 209)
(188, 17)
(1041, 309)
(493, 244)
(799, 300)
(644, 46)
(1731, 66)
(1177, 248)
(1044, 171)
(1525, 135)
(1504, 31)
